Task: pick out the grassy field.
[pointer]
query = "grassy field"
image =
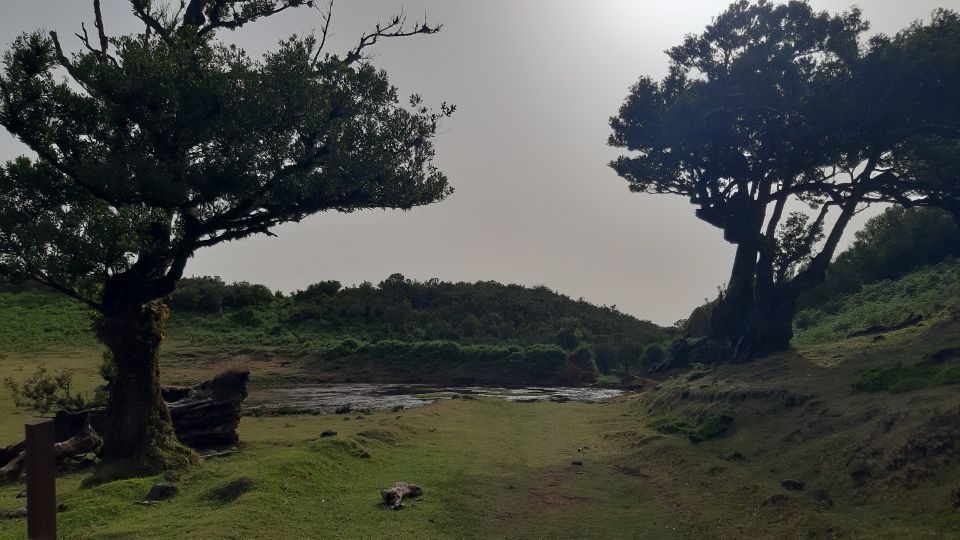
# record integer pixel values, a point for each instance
(869, 425)
(505, 470)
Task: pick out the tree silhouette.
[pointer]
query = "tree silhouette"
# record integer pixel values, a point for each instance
(771, 107)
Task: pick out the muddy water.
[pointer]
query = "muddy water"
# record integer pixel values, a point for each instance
(327, 398)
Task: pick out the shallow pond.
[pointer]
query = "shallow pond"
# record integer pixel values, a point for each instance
(327, 398)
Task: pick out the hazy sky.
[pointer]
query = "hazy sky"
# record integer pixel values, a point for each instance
(535, 82)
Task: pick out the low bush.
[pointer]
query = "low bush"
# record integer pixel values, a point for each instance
(48, 392)
(711, 426)
(899, 378)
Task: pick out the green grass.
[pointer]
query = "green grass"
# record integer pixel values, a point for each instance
(492, 469)
(713, 425)
(481, 463)
(899, 378)
(927, 292)
(32, 321)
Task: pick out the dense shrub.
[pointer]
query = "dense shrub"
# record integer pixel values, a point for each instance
(653, 356)
(711, 426)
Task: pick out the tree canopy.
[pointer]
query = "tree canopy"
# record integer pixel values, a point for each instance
(155, 145)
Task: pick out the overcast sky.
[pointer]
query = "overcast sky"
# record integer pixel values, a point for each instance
(535, 82)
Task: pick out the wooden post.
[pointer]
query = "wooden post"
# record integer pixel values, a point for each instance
(41, 480)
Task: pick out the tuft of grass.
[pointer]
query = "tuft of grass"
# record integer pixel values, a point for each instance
(713, 425)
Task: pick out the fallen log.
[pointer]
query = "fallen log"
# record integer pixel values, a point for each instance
(208, 414)
(82, 443)
(393, 497)
(881, 329)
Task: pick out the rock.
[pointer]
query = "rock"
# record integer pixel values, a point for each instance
(19, 513)
(776, 501)
(162, 491)
(393, 497)
(397, 408)
(171, 476)
(363, 454)
(328, 433)
(577, 463)
(793, 485)
(822, 497)
(559, 399)
(955, 498)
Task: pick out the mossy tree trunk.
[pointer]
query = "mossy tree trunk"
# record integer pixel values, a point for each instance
(137, 431)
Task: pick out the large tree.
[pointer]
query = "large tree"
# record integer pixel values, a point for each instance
(772, 107)
(151, 146)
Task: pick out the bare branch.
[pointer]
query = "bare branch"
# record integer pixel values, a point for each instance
(98, 22)
(397, 27)
(141, 8)
(327, 16)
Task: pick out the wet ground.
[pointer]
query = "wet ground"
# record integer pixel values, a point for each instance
(328, 398)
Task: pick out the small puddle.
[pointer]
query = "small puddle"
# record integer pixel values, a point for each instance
(327, 398)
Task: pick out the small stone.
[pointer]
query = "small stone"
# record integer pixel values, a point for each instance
(793, 485)
(577, 463)
(162, 491)
(19, 513)
(822, 497)
(362, 454)
(776, 501)
(328, 433)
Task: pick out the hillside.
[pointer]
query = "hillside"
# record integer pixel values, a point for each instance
(869, 425)
(397, 331)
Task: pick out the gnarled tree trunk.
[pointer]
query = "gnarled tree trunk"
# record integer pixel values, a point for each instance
(729, 320)
(137, 430)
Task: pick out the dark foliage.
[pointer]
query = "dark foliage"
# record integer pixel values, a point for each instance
(485, 312)
(889, 246)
